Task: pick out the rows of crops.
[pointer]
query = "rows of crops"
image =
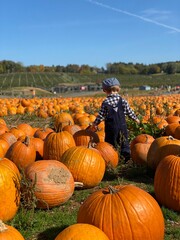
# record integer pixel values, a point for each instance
(49, 80)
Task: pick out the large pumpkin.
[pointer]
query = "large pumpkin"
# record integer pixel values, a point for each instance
(53, 181)
(86, 165)
(167, 182)
(9, 189)
(56, 143)
(124, 212)
(8, 232)
(81, 231)
(160, 148)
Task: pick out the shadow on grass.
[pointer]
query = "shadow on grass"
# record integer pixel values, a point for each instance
(130, 172)
(51, 233)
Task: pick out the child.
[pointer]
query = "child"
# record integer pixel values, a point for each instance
(113, 111)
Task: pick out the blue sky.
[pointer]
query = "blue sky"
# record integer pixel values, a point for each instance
(62, 32)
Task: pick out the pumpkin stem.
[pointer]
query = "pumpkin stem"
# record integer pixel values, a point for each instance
(2, 227)
(59, 127)
(112, 190)
(79, 184)
(90, 143)
(27, 140)
(170, 137)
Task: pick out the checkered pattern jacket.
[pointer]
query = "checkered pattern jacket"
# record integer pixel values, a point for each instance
(112, 100)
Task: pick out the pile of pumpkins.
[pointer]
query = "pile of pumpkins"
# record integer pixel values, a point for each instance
(58, 159)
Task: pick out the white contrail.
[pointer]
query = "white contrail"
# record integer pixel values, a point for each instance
(134, 15)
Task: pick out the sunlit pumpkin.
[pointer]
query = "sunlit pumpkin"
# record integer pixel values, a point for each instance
(86, 165)
(167, 182)
(81, 231)
(123, 212)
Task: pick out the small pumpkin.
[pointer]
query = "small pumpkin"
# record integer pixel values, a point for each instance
(71, 128)
(8, 232)
(81, 231)
(22, 153)
(62, 119)
(43, 132)
(84, 136)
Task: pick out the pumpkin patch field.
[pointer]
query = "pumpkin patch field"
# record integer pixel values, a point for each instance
(59, 180)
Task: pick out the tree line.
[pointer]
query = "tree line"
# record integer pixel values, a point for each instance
(7, 66)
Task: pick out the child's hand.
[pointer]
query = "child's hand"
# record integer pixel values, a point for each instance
(138, 121)
(92, 128)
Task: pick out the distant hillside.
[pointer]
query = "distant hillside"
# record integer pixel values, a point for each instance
(47, 81)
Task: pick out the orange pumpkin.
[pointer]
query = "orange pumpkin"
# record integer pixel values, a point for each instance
(123, 212)
(71, 128)
(142, 138)
(160, 148)
(81, 231)
(8, 232)
(9, 138)
(173, 119)
(56, 143)
(167, 182)
(177, 133)
(62, 119)
(109, 153)
(22, 153)
(3, 128)
(170, 129)
(26, 128)
(54, 182)
(43, 132)
(9, 190)
(39, 147)
(86, 165)
(84, 136)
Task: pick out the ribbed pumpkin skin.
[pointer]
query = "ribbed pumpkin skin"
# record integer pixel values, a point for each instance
(9, 189)
(56, 144)
(82, 231)
(160, 148)
(167, 182)
(129, 214)
(22, 153)
(9, 233)
(86, 165)
(54, 182)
